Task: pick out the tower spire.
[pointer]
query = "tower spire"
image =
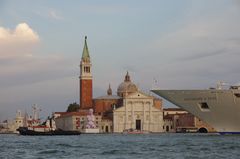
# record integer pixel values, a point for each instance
(85, 79)
(127, 78)
(109, 91)
(85, 54)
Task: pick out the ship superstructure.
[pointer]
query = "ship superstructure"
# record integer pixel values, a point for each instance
(218, 107)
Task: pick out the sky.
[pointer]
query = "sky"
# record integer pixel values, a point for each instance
(163, 44)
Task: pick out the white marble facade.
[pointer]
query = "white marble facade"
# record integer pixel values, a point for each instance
(138, 112)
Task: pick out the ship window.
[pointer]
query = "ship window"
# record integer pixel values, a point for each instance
(204, 106)
(237, 94)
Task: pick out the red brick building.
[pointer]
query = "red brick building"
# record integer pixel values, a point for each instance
(179, 120)
(85, 79)
(105, 104)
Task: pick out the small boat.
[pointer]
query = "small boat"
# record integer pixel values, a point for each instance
(46, 128)
(41, 131)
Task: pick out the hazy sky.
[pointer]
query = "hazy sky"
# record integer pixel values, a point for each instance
(182, 44)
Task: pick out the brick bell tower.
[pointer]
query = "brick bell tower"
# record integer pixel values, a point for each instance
(85, 79)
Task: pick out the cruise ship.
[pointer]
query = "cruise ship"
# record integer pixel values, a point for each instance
(218, 107)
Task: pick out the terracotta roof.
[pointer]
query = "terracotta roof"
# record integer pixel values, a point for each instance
(108, 97)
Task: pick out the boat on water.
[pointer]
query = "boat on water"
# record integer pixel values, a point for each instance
(42, 131)
(216, 106)
(33, 126)
(46, 128)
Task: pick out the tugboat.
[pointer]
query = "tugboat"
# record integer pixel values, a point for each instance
(32, 126)
(47, 128)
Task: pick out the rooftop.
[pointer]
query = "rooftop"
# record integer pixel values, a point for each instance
(108, 97)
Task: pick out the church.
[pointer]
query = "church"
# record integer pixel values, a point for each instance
(137, 111)
(129, 109)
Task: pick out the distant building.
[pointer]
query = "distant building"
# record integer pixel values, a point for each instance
(85, 79)
(12, 126)
(137, 110)
(179, 120)
(104, 105)
(109, 106)
(75, 121)
(129, 109)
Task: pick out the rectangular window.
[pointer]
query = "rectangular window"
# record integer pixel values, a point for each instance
(203, 106)
(237, 94)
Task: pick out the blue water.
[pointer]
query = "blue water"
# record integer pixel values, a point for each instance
(119, 146)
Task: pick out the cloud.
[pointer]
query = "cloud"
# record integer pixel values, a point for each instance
(103, 9)
(208, 36)
(26, 70)
(17, 42)
(21, 62)
(53, 14)
(204, 55)
(49, 13)
(22, 34)
(202, 50)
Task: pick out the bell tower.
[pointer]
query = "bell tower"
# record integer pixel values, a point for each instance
(85, 79)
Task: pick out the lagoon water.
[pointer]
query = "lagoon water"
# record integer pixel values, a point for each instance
(120, 146)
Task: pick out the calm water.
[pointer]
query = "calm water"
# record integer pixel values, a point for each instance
(121, 146)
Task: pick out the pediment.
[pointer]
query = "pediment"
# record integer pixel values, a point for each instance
(138, 95)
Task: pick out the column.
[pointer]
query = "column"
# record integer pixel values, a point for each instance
(133, 116)
(143, 123)
(126, 115)
(150, 117)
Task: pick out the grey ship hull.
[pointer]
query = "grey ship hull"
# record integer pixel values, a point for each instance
(219, 108)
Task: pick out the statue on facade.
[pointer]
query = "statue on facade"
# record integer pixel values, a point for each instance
(90, 120)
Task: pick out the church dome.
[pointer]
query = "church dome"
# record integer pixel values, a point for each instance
(126, 87)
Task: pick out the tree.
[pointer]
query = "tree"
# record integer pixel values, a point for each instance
(73, 107)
